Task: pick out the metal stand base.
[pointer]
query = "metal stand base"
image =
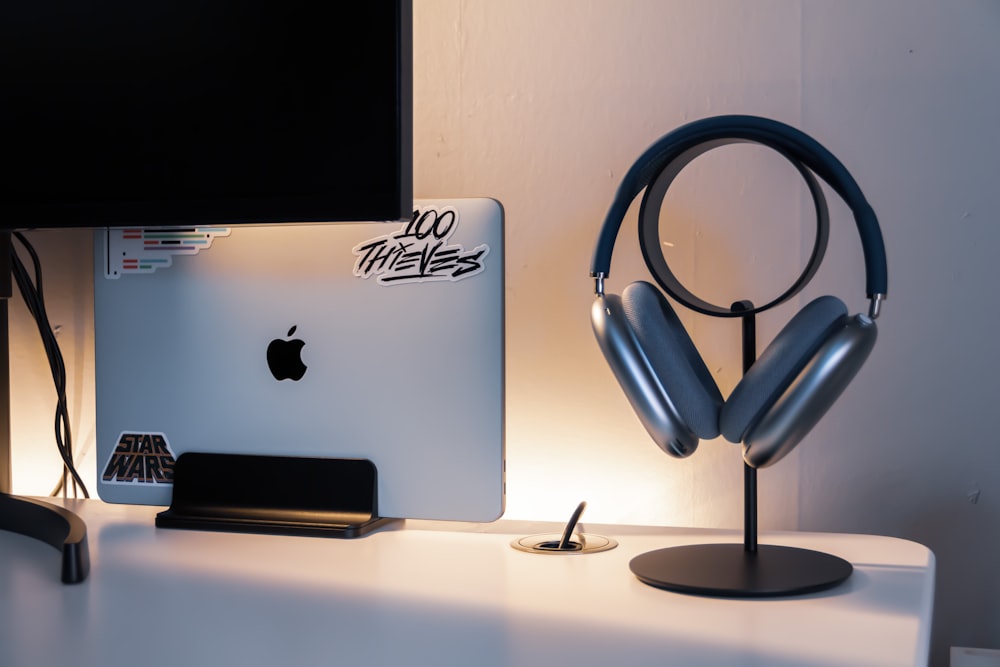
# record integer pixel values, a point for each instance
(729, 570)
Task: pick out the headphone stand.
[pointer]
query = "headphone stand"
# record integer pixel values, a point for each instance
(747, 570)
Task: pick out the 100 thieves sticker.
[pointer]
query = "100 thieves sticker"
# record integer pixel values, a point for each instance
(140, 458)
(420, 251)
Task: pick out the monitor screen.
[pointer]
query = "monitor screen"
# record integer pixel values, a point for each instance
(158, 112)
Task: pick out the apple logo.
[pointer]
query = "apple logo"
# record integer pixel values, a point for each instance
(284, 357)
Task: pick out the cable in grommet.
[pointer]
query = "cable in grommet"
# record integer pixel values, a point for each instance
(567, 535)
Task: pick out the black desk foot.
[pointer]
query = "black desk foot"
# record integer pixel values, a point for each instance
(55, 525)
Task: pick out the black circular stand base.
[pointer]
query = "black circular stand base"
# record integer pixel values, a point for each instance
(729, 570)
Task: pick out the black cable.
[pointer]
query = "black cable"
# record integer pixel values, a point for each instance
(32, 294)
(567, 536)
(36, 305)
(63, 431)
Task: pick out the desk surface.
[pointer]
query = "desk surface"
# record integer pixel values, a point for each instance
(434, 593)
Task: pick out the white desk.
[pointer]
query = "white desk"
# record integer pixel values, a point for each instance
(437, 594)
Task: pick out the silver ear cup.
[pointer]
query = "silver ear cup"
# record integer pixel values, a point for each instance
(811, 393)
(779, 364)
(638, 380)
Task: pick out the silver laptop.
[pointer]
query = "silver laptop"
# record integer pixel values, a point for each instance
(380, 341)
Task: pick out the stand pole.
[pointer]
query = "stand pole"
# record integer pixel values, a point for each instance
(56, 526)
(749, 509)
(749, 327)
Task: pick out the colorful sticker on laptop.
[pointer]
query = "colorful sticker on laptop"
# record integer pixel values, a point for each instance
(148, 249)
(420, 251)
(140, 458)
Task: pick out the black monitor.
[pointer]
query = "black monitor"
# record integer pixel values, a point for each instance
(185, 112)
(167, 112)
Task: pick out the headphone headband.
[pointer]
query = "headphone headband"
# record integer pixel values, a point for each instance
(794, 144)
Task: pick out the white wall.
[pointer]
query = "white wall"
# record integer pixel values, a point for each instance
(544, 104)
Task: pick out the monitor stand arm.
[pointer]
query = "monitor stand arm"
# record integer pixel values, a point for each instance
(57, 526)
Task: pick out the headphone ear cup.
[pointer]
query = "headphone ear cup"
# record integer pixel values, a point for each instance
(779, 365)
(674, 358)
(637, 378)
(686, 382)
(640, 342)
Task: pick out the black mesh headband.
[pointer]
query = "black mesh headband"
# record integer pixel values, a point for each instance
(794, 144)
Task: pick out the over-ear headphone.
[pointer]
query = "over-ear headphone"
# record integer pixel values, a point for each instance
(802, 371)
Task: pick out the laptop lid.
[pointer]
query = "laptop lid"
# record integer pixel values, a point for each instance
(375, 340)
